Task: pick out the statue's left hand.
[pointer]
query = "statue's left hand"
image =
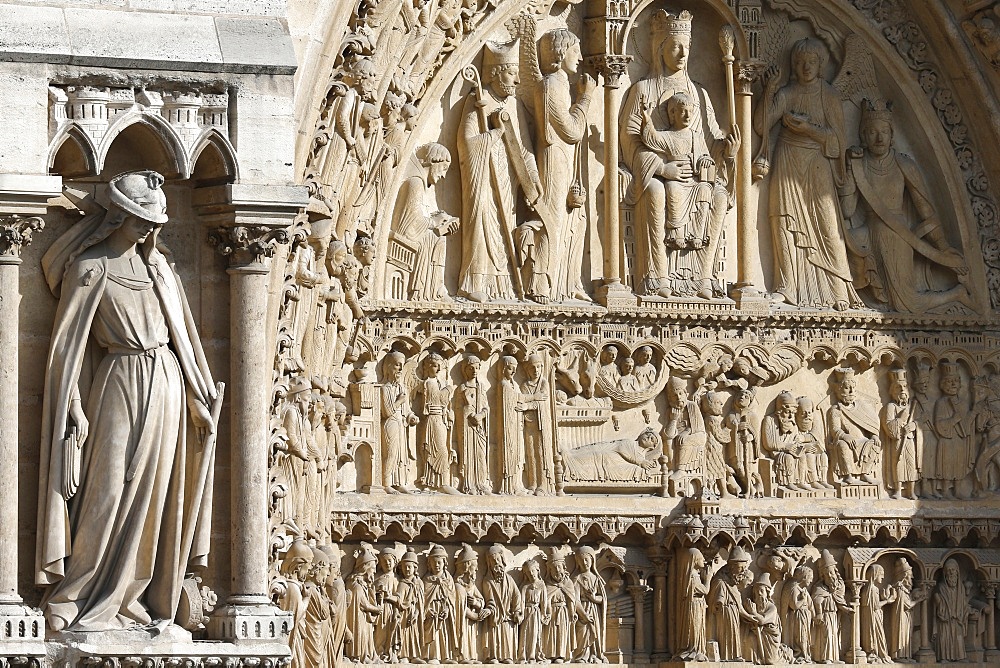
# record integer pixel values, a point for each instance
(586, 85)
(202, 418)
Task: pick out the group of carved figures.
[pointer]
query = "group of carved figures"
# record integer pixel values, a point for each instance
(842, 220)
(387, 612)
(710, 440)
(801, 610)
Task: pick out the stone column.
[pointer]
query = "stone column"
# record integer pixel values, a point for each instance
(744, 293)
(612, 67)
(22, 199)
(252, 223)
(638, 592)
(926, 653)
(660, 646)
(856, 654)
(990, 591)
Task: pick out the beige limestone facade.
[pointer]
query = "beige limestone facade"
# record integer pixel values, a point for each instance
(645, 332)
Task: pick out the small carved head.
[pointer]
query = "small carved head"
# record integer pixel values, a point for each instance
(609, 354)
(803, 575)
(680, 110)
(387, 560)
(436, 159)
(804, 414)
(951, 379)
(713, 403)
(497, 560)
(534, 366)
(531, 570)
(648, 439)
(392, 366)
(808, 57)
(643, 355)
(845, 384)
(677, 392)
(408, 564)
(433, 364)
(320, 571)
(470, 367)
(785, 408)
(951, 572)
(557, 51)
(509, 367)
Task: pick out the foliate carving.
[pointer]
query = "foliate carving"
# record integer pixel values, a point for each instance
(247, 244)
(16, 232)
(612, 67)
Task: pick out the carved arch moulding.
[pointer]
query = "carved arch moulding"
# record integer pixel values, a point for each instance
(677, 315)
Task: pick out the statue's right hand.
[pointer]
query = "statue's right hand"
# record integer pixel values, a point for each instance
(677, 170)
(772, 77)
(79, 419)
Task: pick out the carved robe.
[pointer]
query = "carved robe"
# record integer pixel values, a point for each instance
(411, 596)
(726, 600)
(397, 453)
(561, 126)
(810, 254)
(826, 641)
(538, 435)
(292, 598)
(536, 615)
(557, 637)
(797, 607)
(114, 554)
(648, 190)
(685, 435)
(782, 443)
(511, 433)
(386, 624)
(316, 631)
(904, 447)
(470, 400)
(415, 223)
(692, 638)
(469, 603)
(854, 430)
(873, 622)
(362, 611)
(435, 433)
(440, 631)
(337, 593)
(954, 456)
(488, 210)
(766, 645)
(901, 619)
(504, 600)
(951, 617)
(591, 624)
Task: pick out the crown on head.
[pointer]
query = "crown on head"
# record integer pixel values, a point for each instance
(666, 23)
(875, 110)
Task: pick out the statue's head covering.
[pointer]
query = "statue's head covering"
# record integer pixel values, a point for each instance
(139, 194)
(840, 374)
(466, 554)
(499, 53)
(437, 551)
(827, 559)
(875, 110)
(739, 555)
(409, 557)
(950, 370)
(665, 23)
(764, 579)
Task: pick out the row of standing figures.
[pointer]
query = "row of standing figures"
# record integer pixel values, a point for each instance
(387, 613)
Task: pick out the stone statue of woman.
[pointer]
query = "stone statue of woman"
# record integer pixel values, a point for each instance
(123, 490)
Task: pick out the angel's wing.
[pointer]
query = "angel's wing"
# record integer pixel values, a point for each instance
(525, 26)
(856, 78)
(774, 38)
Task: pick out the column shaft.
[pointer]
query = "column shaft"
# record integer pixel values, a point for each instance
(249, 399)
(746, 250)
(10, 298)
(613, 246)
(660, 614)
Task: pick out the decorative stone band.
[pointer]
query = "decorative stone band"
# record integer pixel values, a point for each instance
(15, 233)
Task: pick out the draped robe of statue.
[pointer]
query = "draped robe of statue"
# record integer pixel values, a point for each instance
(361, 614)
(125, 345)
(826, 641)
(561, 126)
(316, 634)
(896, 268)
(536, 611)
(469, 603)
(592, 624)
(810, 253)
(440, 619)
(491, 188)
(557, 637)
(797, 608)
(414, 221)
(873, 639)
(435, 432)
(397, 451)
(854, 429)
(504, 599)
(653, 269)
(511, 433)
(692, 639)
(951, 619)
(901, 627)
(955, 458)
(474, 457)
(336, 591)
(766, 644)
(726, 601)
(905, 449)
(387, 622)
(411, 595)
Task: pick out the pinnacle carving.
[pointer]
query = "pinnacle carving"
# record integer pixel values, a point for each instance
(16, 232)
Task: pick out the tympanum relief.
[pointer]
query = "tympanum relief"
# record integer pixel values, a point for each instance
(698, 286)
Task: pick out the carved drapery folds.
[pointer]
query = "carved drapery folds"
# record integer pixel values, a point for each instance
(720, 296)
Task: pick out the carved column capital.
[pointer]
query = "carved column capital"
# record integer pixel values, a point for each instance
(747, 74)
(989, 589)
(15, 233)
(612, 67)
(247, 244)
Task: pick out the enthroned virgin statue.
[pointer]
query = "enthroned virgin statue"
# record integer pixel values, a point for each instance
(124, 499)
(680, 196)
